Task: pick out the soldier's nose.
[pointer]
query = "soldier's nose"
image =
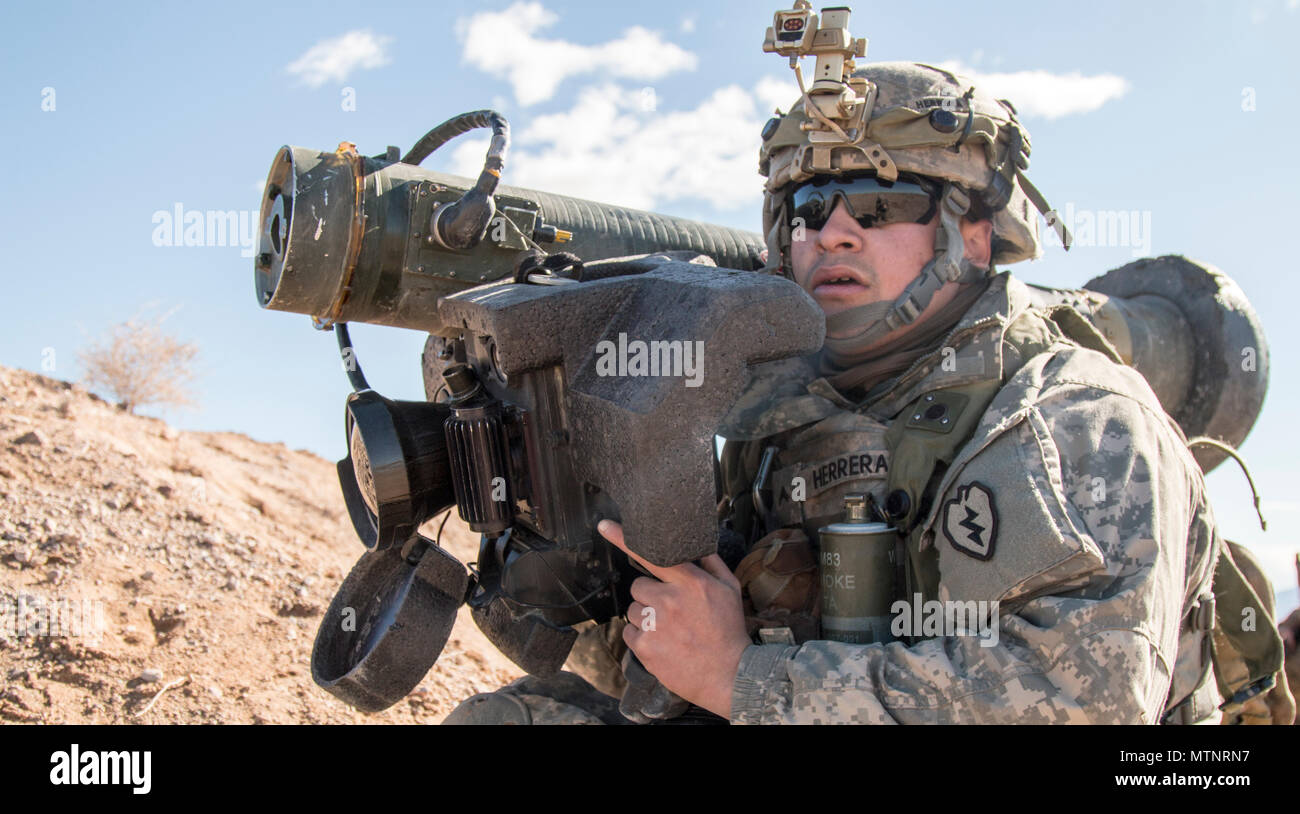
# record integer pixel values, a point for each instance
(841, 232)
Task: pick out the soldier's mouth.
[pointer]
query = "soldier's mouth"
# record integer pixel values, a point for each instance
(837, 282)
(838, 292)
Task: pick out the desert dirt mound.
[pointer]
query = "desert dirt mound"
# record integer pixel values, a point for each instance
(137, 559)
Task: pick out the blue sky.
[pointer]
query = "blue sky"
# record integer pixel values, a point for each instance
(1181, 112)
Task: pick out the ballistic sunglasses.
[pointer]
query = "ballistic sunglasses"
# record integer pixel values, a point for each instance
(870, 200)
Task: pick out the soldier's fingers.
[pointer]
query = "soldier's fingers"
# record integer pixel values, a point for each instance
(632, 634)
(647, 590)
(614, 533)
(638, 614)
(718, 569)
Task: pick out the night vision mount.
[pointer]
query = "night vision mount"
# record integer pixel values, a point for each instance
(838, 104)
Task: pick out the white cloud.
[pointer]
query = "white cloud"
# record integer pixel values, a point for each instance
(1046, 94)
(504, 43)
(608, 148)
(777, 93)
(333, 59)
(688, 24)
(611, 146)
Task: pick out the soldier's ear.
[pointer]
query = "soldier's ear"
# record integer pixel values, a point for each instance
(978, 236)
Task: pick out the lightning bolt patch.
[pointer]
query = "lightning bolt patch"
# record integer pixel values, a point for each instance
(975, 528)
(970, 520)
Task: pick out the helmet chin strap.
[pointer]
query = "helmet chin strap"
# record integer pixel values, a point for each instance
(877, 319)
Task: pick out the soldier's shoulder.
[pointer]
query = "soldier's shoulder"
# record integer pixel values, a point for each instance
(1068, 375)
(1072, 455)
(1086, 402)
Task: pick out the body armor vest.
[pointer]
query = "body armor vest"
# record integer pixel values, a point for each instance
(898, 462)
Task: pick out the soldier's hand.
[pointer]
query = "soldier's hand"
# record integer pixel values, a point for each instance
(687, 627)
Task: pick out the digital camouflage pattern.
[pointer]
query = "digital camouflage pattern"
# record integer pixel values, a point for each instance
(1277, 705)
(563, 698)
(1103, 542)
(597, 655)
(922, 120)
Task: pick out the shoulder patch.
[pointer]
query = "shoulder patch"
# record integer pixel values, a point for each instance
(970, 520)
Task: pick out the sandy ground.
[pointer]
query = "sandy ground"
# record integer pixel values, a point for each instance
(162, 576)
(144, 558)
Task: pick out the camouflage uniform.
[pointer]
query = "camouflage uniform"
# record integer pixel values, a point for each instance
(563, 698)
(1101, 542)
(1072, 501)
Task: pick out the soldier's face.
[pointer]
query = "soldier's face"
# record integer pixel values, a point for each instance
(843, 265)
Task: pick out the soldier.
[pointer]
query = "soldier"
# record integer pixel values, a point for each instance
(1290, 629)
(1024, 465)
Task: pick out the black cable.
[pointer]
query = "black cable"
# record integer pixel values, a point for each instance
(465, 122)
(438, 539)
(1217, 444)
(461, 225)
(350, 364)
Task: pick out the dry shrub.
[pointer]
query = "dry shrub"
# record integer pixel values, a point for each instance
(138, 364)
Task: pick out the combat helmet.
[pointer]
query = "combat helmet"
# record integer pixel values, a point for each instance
(911, 119)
